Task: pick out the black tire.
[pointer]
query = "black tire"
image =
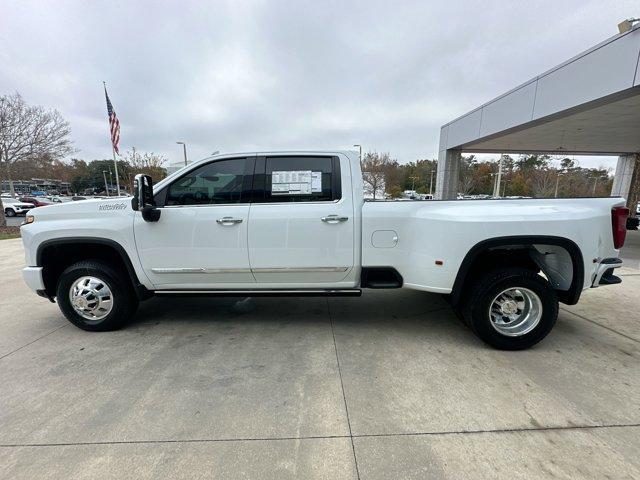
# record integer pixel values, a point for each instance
(125, 301)
(9, 212)
(485, 289)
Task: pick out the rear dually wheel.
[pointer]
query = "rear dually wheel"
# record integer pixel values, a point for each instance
(511, 308)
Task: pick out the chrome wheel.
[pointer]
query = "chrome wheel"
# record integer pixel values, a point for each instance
(515, 311)
(91, 298)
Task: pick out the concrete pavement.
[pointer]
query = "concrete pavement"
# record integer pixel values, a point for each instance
(390, 385)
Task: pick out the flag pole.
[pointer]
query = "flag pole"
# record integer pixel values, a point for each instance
(113, 151)
(115, 166)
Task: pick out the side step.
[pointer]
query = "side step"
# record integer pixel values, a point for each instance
(349, 292)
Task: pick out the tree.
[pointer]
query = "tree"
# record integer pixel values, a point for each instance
(374, 169)
(26, 132)
(544, 182)
(148, 163)
(467, 179)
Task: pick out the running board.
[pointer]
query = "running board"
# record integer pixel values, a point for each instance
(349, 292)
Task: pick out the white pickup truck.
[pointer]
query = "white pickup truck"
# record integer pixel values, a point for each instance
(296, 223)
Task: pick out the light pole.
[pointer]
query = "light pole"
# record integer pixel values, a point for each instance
(104, 176)
(496, 190)
(111, 182)
(431, 182)
(595, 183)
(413, 183)
(360, 150)
(555, 195)
(184, 151)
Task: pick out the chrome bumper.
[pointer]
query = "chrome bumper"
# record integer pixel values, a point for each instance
(33, 278)
(604, 273)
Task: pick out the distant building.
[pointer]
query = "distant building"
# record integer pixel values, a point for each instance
(40, 185)
(174, 167)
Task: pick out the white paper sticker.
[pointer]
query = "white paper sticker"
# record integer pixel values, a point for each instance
(316, 182)
(299, 182)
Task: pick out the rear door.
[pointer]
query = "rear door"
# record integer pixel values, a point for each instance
(301, 223)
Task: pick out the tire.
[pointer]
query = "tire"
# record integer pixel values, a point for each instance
(116, 305)
(9, 212)
(505, 286)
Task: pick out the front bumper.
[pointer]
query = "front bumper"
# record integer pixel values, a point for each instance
(33, 278)
(604, 273)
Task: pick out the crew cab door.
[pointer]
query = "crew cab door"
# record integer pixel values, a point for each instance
(200, 241)
(301, 223)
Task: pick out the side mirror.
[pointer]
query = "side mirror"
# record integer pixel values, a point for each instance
(142, 200)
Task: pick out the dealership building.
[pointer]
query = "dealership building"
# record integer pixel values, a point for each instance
(587, 105)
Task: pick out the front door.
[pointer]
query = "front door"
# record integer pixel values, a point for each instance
(301, 225)
(200, 241)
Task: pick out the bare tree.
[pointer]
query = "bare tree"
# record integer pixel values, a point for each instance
(148, 162)
(544, 182)
(374, 169)
(467, 179)
(28, 131)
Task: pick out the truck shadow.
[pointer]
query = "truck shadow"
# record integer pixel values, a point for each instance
(397, 312)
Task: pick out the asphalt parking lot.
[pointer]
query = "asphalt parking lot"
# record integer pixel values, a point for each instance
(386, 386)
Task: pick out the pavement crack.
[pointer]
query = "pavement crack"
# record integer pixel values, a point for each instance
(32, 342)
(600, 325)
(344, 397)
(326, 437)
(501, 430)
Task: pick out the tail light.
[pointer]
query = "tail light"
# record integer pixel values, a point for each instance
(619, 223)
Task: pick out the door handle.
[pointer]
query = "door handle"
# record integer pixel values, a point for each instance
(334, 219)
(228, 221)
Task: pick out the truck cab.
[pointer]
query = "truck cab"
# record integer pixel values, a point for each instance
(254, 221)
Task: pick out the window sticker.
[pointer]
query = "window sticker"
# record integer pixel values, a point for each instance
(295, 182)
(316, 182)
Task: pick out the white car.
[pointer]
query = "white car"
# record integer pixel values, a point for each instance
(296, 224)
(13, 207)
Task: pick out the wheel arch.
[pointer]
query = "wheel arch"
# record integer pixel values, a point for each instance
(66, 251)
(522, 242)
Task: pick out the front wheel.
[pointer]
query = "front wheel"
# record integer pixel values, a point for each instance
(9, 212)
(96, 297)
(511, 308)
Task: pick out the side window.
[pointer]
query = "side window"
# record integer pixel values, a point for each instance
(301, 179)
(216, 182)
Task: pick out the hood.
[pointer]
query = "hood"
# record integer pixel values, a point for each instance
(93, 208)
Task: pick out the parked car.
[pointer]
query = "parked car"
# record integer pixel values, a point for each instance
(57, 199)
(285, 224)
(13, 207)
(36, 201)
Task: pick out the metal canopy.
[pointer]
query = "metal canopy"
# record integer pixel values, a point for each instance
(607, 127)
(588, 105)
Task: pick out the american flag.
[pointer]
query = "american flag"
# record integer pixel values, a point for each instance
(114, 124)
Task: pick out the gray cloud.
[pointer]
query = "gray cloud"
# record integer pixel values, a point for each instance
(250, 75)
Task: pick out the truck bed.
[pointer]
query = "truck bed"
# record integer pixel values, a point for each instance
(426, 241)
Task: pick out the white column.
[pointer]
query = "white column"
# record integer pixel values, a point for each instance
(623, 176)
(447, 177)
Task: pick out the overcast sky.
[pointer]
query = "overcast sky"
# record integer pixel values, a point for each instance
(252, 75)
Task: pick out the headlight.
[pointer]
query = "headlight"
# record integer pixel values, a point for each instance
(28, 219)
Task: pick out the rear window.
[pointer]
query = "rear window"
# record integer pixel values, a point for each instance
(301, 179)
